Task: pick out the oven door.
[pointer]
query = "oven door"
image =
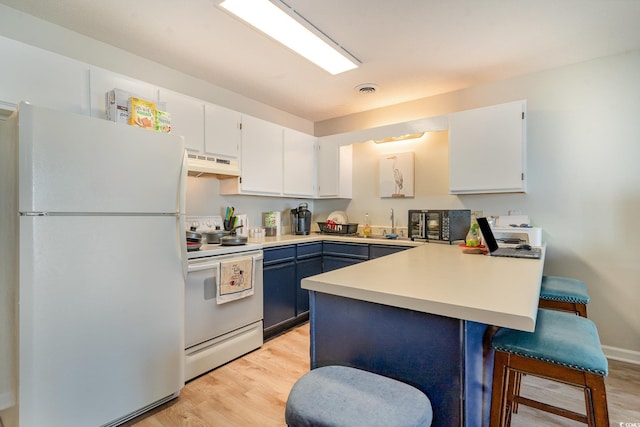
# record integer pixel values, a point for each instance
(417, 229)
(434, 225)
(205, 319)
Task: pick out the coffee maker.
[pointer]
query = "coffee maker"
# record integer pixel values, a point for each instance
(301, 219)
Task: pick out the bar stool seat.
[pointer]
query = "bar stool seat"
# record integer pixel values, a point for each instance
(341, 396)
(564, 293)
(565, 348)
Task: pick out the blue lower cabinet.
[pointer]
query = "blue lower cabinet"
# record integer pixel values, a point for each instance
(286, 303)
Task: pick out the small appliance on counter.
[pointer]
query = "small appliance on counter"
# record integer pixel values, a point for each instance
(445, 225)
(271, 221)
(301, 219)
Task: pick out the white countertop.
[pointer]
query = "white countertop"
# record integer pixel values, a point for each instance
(440, 279)
(290, 239)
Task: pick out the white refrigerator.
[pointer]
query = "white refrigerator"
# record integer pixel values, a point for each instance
(93, 262)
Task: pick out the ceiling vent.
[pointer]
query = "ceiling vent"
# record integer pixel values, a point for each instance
(367, 88)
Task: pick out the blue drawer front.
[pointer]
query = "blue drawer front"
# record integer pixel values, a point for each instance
(351, 250)
(306, 250)
(279, 254)
(377, 251)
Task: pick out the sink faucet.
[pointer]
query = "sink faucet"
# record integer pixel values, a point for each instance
(393, 227)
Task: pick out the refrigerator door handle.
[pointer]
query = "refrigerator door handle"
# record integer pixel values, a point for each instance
(182, 197)
(182, 240)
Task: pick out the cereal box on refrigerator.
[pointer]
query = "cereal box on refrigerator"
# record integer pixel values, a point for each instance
(163, 121)
(142, 113)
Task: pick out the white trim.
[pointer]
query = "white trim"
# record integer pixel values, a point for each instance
(8, 106)
(621, 354)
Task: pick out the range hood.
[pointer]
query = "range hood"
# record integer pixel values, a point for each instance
(203, 165)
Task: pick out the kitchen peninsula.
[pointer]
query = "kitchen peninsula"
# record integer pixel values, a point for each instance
(425, 316)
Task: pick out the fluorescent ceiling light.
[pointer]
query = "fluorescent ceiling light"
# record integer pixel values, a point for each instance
(399, 138)
(283, 27)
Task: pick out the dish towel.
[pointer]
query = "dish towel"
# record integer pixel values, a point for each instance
(236, 280)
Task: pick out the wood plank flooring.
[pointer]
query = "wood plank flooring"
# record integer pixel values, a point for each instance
(253, 390)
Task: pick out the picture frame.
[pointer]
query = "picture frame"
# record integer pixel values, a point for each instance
(397, 175)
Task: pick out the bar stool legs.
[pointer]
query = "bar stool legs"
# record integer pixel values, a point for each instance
(503, 396)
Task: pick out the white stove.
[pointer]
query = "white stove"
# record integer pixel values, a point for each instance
(208, 223)
(217, 332)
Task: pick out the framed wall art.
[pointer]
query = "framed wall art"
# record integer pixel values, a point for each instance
(397, 175)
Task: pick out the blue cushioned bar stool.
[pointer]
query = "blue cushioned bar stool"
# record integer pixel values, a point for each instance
(564, 293)
(339, 396)
(559, 293)
(565, 348)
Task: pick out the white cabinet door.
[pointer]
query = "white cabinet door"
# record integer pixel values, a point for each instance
(345, 178)
(187, 118)
(328, 168)
(299, 164)
(42, 78)
(487, 148)
(102, 81)
(222, 131)
(261, 157)
(334, 168)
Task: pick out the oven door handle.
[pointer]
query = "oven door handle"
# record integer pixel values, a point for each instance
(199, 266)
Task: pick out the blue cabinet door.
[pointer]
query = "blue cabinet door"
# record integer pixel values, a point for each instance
(279, 293)
(305, 268)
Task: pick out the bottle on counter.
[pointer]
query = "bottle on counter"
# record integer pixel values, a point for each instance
(473, 236)
(366, 232)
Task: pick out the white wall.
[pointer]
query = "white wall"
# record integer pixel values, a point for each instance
(584, 181)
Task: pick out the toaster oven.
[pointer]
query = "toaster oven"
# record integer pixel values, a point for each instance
(445, 225)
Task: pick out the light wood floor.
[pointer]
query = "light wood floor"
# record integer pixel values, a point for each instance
(253, 390)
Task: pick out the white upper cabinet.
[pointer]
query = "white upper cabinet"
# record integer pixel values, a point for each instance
(222, 131)
(299, 158)
(42, 78)
(487, 149)
(261, 157)
(187, 118)
(275, 161)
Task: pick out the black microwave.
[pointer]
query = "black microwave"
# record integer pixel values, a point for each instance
(445, 225)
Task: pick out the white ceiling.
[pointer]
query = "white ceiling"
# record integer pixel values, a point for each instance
(411, 49)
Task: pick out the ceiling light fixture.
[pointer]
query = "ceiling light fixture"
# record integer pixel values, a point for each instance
(288, 27)
(399, 138)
